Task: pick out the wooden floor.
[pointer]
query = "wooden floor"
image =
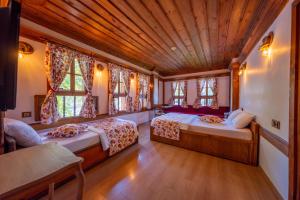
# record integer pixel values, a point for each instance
(152, 170)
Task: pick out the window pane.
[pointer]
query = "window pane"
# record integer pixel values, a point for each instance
(116, 103)
(209, 102)
(202, 102)
(175, 101)
(79, 100)
(79, 83)
(69, 106)
(210, 92)
(116, 89)
(122, 103)
(77, 67)
(60, 105)
(122, 87)
(180, 101)
(66, 84)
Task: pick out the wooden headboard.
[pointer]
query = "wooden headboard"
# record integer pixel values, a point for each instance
(39, 99)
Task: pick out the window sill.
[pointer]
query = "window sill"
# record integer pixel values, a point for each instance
(74, 120)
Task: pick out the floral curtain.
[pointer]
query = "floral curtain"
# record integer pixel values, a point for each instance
(213, 85)
(113, 79)
(200, 90)
(126, 79)
(184, 89)
(86, 64)
(143, 81)
(57, 62)
(173, 89)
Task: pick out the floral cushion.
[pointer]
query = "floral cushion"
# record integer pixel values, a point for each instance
(211, 119)
(67, 131)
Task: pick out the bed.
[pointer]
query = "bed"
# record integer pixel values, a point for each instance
(102, 139)
(219, 139)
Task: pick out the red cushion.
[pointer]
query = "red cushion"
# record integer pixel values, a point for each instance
(200, 111)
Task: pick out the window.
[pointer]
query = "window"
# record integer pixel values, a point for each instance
(143, 91)
(71, 94)
(120, 93)
(208, 91)
(178, 92)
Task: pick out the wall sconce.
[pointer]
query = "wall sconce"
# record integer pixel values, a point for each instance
(131, 76)
(266, 44)
(99, 68)
(242, 68)
(25, 49)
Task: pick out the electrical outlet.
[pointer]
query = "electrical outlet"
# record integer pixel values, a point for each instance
(26, 114)
(275, 123)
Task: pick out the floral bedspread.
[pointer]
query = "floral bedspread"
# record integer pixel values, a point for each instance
(120, 133)
(166, 128)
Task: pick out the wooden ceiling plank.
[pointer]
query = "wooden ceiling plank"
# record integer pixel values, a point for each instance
(65, 28)
(80, 21)
(235, 22)
(212, 21)
(174, 17)
(249, 14)
(200, 14)
(102, 25)
(125, 20)
(131, 14)
(162, 18)
(185, 10)
(225, 8)
(142, 11)
(97, 12)
(263, 23)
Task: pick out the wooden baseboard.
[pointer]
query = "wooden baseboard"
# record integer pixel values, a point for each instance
(269, 182)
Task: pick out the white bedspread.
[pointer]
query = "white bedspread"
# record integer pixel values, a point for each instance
(183, 119)
(220, 129)
(89, 138)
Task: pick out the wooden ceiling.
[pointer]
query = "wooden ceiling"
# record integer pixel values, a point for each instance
(169, 36)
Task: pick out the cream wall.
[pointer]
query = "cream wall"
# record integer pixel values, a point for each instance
(264, 91)
(223, 91)
(32, 81)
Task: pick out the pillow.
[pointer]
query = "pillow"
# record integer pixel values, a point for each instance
(211, 119)
(233, 115)
(24, 134)
(67, 131)
(242, 120)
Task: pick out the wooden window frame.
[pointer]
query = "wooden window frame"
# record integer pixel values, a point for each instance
(178, 97)
(72, 92)
(206, 97)
(143, 96)
(119, 94)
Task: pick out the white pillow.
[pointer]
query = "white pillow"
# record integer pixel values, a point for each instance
(233, 115)
(24, 134)
(242, 120)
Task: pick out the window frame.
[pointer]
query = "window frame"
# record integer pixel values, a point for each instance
(143, 96)
(206, 97)
(119, 94)
(179, 98)
(72, 92)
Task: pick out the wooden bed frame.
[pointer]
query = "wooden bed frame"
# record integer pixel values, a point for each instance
(243, 151)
